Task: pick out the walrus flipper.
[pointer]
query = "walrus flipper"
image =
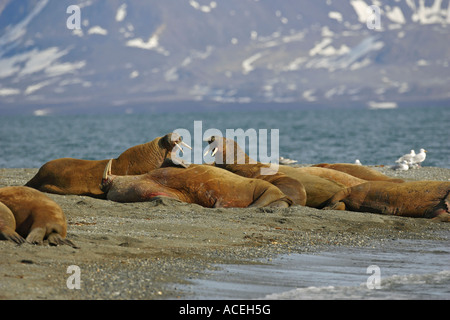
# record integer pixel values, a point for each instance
(54, 239)
(8, 226)
(443, 214)
(267, 200)
(36, 236)
(10, 235)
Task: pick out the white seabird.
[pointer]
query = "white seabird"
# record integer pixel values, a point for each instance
(402, 166)
(407, 157)
(419, 158)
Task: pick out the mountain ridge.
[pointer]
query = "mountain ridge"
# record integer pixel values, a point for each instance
(129, 54)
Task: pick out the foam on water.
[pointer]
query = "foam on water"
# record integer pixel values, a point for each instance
(408, 269)
(402, 287)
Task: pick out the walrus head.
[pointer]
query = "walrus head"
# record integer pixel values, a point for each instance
(213, 146)
(227, 151)
(107, 178)
(173, 140)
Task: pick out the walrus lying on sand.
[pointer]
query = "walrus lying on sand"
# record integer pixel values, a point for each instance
(81, 177)
(289, 186)
(418, 199)
(359, 171)
(204, 185)
(28, 213)
(319, 184)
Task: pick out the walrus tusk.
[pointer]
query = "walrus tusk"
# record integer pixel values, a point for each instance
(213, 152)
(107, 170)
(186, 145)
(181, 149)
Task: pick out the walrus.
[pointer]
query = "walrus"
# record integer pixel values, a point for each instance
(335, 175)
(28, 215)
(359, 171)
(204, 185)
(80, 177)
(290, 187)
(418, 199)
(318, 189)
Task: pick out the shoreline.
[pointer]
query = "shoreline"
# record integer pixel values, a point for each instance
(143, 250)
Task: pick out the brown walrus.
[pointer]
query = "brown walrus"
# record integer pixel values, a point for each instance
(419, 199)
(359, 171)
(204, 185)
(290, 187)
(28, 213)
(81, 177)
(338, 176)
(244, 166)
(318, 189)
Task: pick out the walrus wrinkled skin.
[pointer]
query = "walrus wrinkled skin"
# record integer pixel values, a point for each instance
(81, 177)
(338, 176)
(418, 199)
(289, 186)
(359, 171)
(318, 189)
(204, 185)
(29, 213)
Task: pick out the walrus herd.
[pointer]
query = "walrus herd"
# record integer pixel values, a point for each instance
(151, 170)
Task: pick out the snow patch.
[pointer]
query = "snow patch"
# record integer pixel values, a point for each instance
(203, 8)
(41, 60)
(16, 32)
(62, 68)
(352, 58)
(396, 15)
(8, 92)
(362, 10)
(247, 63)
(41, 112)
(295, 65)
(335, 15)
(323, 48)
(134, 74)
(98, 30)
(422, 63)
(151, 44)
(171, 74)
(429, 15)
(308, 95)
(35, 87)
(121, 13)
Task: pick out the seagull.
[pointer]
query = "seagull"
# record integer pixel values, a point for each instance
(419, 158)
(407, 157)
(358, 162)
(402, 166)
(286, 161)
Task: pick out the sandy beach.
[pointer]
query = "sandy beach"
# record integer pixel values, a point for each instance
(144, 250)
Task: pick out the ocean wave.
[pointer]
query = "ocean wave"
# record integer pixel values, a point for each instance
(410, 286)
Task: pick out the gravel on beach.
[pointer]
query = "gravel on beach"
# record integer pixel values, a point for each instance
(144, 250)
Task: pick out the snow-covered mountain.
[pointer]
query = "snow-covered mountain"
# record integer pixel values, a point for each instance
(130, 55)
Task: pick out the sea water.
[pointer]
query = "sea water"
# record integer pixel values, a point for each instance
(375, 137)
(405, 269)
